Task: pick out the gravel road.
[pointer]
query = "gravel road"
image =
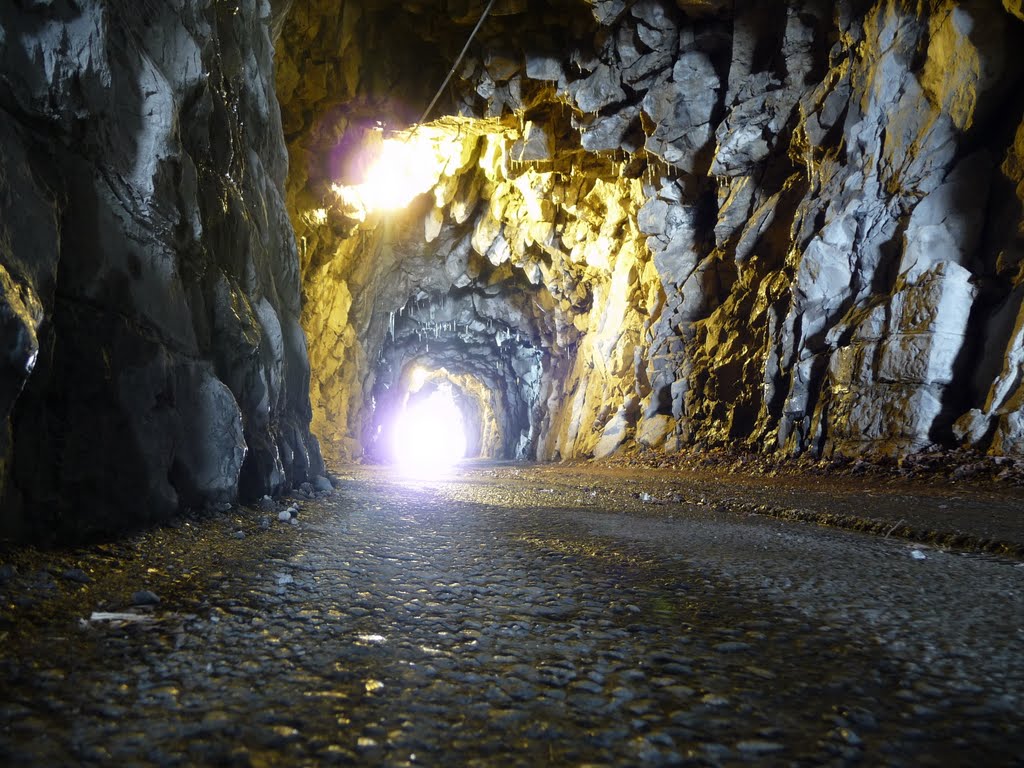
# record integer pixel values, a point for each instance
(510, 616)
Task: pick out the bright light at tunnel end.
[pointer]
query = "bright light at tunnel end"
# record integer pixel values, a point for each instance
(429, 438)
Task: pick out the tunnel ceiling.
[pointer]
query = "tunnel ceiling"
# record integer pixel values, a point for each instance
(781, 226)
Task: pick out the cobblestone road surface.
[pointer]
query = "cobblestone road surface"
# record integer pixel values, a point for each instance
(510, 617)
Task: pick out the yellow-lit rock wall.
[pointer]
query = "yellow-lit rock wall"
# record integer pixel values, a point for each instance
(773, 227)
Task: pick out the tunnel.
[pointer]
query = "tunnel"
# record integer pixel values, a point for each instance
(608, 229)
(511, 383)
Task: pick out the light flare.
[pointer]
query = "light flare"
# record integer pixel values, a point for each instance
(404, 167)
(429, 435)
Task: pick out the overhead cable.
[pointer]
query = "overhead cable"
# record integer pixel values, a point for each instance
(458, 61)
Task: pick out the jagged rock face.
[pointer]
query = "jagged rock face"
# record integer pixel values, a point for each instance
(149, 283)
(787, 227)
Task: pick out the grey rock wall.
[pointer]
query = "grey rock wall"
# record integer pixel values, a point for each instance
(149, 293)
(854, 287)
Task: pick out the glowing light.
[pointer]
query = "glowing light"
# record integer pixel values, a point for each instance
(405, 166)
(429, 437)
(418, 379)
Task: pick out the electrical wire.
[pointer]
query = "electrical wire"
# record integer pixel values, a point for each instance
(458, 61)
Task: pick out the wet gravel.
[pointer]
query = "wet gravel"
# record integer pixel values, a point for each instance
(511, 616)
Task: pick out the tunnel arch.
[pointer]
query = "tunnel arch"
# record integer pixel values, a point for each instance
(491, 355)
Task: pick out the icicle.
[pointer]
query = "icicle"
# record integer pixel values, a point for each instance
(391, 324)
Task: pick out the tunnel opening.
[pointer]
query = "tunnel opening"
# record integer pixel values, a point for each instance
(491, 367)
(429, 433)
(433, 419)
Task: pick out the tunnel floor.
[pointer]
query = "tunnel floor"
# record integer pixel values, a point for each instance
(515, 616)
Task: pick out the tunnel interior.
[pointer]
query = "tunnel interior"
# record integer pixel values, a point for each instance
(702, 283)
(613, 218)
(646, 228)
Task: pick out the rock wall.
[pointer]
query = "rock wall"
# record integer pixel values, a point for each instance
(784, 227)
(149, 282)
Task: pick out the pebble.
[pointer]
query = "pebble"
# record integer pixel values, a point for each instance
(732, 647)
(285, 516)
(77, 575)
(145, 597)
(759, 747)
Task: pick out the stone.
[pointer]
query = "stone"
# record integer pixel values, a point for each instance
(601, 89)
(613, 436)
(145, 597)
(610, 132)
(533, 146)
(77, 575)
(757, 747)
(540, 67)
(681, 110)
(212, 443)
(607, 11)
(652, 431)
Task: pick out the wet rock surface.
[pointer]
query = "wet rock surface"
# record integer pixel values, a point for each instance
(149, 288)
(510, 616)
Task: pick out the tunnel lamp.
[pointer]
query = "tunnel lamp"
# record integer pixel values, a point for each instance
(403, 167)
(429, 436)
